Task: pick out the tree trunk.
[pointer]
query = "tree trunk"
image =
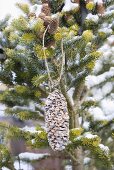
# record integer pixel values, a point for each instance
(78, 153)
(78, 163)
(91, 166)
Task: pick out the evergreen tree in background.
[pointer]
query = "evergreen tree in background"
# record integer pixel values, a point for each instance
(54, 46)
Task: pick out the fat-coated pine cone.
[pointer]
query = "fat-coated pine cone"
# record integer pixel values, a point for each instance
(46, 9)
(100, 8)
(57, 120)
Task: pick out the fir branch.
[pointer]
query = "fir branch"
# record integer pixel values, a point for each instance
(79, 77)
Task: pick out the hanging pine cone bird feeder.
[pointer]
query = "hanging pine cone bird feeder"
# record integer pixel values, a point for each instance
(57, 120)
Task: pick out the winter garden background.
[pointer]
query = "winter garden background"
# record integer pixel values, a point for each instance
(57, 85)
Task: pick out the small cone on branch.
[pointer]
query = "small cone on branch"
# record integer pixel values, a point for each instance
(50, 43)
(75, 1)
(57, 120)
(100, 8)
(46, 9)
(50, 23)
(53, 26)
(42, 15)
(45, 1)
(47, 20)
(32, 15)
(88, 1)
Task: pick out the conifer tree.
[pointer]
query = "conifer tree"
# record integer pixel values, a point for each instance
(47, 57)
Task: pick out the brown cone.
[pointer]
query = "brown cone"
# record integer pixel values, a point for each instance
(32, 15)
(100, 8)
(75, 1)
(42, 16)
(45, 9)
(53, 26)
(45, 1)
(87, 1)
(50, 43)
(47, 20)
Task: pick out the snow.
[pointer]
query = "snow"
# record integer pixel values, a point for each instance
(98, 66)
(28, 157)
(100, 93)
(109, 13)
(107, 88)
(104, 112)
(90, 99)
(110, 139)
(86, 125)
(110, 39)
(97, 113)
(92, 80)
(4, 168)
(89, 135)
(69, 6)
(106, 30)
(30, 107)
(9, 7)
(86, 160)
(2, 108)
(36, 9)
(97, 93)
(105, 47)
(68, 167)
(98, 1)
(32, 156)
(104, 148)
(23, 165)
(93, 18)
(30, 129)
(70, 94)
(108, 107)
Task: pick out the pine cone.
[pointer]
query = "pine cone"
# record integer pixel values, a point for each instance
(30, 15)
(42, 16)
(50, 43)
(47, 20)
(87, 1)
(100, 8)
(45, 1)
(53, 26)
(57, 120)
(75, 1)
(45, 9)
